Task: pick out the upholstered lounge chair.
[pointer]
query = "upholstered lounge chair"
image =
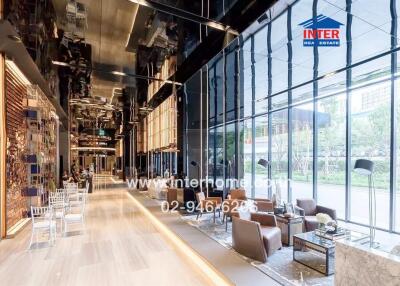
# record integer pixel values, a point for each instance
(308, 208)
(257, 238)
(263, 205)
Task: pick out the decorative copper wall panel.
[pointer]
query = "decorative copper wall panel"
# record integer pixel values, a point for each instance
(16, 203)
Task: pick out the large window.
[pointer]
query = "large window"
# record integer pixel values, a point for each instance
(230, 86)
(279, 54)
(219, 90)
(302, 152)
(312, 112)
(397, 187)
(230, 161)
(247, 139)
(279, 154)
(370, 139)
(246, 79)
(331, 176)
(219, 170)
(261, 152)
(261, 70)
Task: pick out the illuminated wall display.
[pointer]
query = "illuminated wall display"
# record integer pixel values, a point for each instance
(3, 148)
(161, 126)
(30, 124)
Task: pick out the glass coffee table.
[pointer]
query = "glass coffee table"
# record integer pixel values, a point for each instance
(318, 252)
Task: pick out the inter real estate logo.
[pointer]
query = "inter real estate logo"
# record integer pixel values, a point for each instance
(321, 31)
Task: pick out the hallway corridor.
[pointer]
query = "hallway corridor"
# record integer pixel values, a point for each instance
(120, 247)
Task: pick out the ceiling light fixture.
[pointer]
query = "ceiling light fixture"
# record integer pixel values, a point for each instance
(119, 73)
(64, 64)
(57, 63)
(180, 13)
(93, 149)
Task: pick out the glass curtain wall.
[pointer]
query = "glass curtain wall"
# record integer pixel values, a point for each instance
(311, 111)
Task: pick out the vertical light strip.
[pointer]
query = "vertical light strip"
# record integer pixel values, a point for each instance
(3, 145)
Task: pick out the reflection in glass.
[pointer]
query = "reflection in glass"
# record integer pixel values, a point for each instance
(219, 154)
(331, 177)
(230, 83)
(261, 152)
(302, 152)
(370, 139)
(279, 153)
(230, 148)
(246, 78)
(246, 140)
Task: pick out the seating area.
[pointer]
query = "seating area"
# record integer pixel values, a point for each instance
(224, 142)
(66, 207)
(262, 231)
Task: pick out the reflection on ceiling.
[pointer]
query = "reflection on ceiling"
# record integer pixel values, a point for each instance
(107, 29)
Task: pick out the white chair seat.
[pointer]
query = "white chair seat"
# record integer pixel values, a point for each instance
(44, 224)
(73, 217)
(75, 203)
(57, 214)
(73, 196)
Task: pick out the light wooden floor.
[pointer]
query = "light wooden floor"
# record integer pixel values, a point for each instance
(119, 247)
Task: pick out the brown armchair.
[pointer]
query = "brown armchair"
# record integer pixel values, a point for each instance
(237, 194)
(209, 204)
(308, 208)
(264, 205)
(247, 239)
(258, 238)
(270, 231)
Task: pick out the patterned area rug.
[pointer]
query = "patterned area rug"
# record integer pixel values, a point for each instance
(280, 266)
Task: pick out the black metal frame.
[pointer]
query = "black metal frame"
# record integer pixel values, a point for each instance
(393, 125)
(290, 109)
(183, 14)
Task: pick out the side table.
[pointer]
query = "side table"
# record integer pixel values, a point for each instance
(289, 227)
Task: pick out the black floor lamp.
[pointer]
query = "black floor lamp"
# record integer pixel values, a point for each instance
(365, 168)
(264, 163)
(195, 164)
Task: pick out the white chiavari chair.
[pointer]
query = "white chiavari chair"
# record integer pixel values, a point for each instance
(72, 191)
(43, 221)
(76, 215)
(58, 203)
